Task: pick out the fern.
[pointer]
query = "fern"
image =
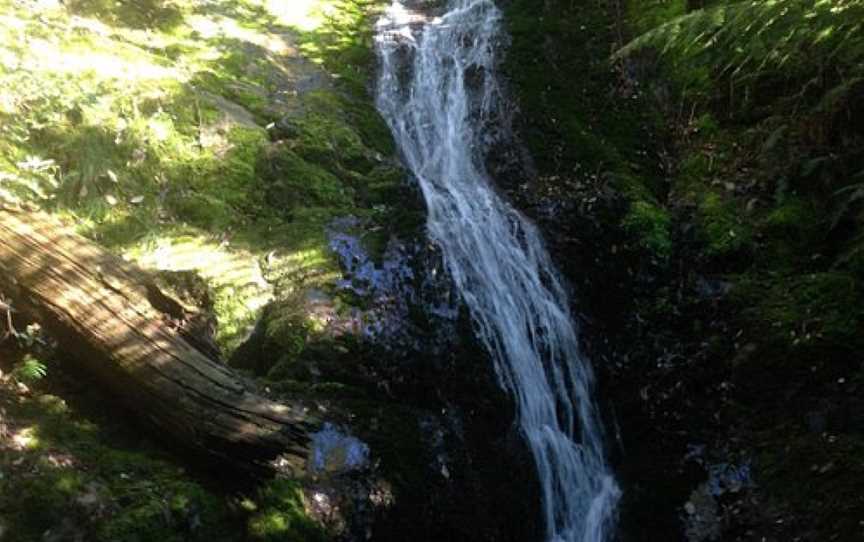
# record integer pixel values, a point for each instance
(792, 72)
(30, 370)
(747, 42)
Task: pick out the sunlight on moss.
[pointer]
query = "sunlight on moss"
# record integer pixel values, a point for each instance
(223, 27)
(235, 275)
(68, 483)
(301, 14)
(48, 56)
(25, 439)
(62, 466)
(282, 515)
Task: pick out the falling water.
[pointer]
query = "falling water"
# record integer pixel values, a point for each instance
(437, 90)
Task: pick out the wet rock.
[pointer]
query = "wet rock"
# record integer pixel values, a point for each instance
(334, 450)
(703, 520)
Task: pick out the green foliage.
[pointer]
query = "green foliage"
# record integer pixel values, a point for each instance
(722, 227)
(645, 15)
(191, 136)
(79, 479)
(812, 310)
(343, 41)
(791, 70)
(796, 219)
(745, 43)
(280, 515)
(30, 370)
(579, 125)
(203, 142)
(650, 223)
(131, 13)
(287, 326)
(782, 80)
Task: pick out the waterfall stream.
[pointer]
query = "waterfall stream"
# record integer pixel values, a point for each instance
(437, 89)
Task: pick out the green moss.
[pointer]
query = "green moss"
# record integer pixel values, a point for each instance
(343, 41)
(694, 171)
(650, 224)
(644, 15)
(721, 226)
(562, 124)
(76, 477)
(329, 140)
(149, 146)
(293, 182)
(218, 192)
(131, 13)
(821, 310)
(587, 128)
(287, 326)
(281, 516)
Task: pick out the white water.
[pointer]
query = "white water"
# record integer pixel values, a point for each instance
(436, 90)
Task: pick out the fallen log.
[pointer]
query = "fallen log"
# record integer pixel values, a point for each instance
(112, 318)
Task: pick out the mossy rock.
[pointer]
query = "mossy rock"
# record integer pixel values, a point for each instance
(290, 181)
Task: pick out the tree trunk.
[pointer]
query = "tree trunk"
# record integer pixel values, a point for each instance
(112, 318)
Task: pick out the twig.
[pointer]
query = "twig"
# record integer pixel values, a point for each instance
(10, 329)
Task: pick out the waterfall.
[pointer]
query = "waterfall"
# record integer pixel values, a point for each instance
(436, 90)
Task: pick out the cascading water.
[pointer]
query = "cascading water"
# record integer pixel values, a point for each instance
(436, 90)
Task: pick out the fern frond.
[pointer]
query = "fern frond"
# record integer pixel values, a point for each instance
(30, 369)
(779, 37)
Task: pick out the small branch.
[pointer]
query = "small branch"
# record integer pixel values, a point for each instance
(10, 329)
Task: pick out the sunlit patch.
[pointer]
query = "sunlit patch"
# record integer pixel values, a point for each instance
(235, 275)
(302, 14)
(48, 56)
(25, 439)
(45, 5)
(59, 460)
(91, 25)
(223, 27)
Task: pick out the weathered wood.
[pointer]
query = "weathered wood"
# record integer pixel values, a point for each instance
(113, 319)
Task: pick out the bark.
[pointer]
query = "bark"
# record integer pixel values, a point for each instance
(113, 319)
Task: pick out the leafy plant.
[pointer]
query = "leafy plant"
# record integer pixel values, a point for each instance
(810, 51)
(792, 70)
(30, 370)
